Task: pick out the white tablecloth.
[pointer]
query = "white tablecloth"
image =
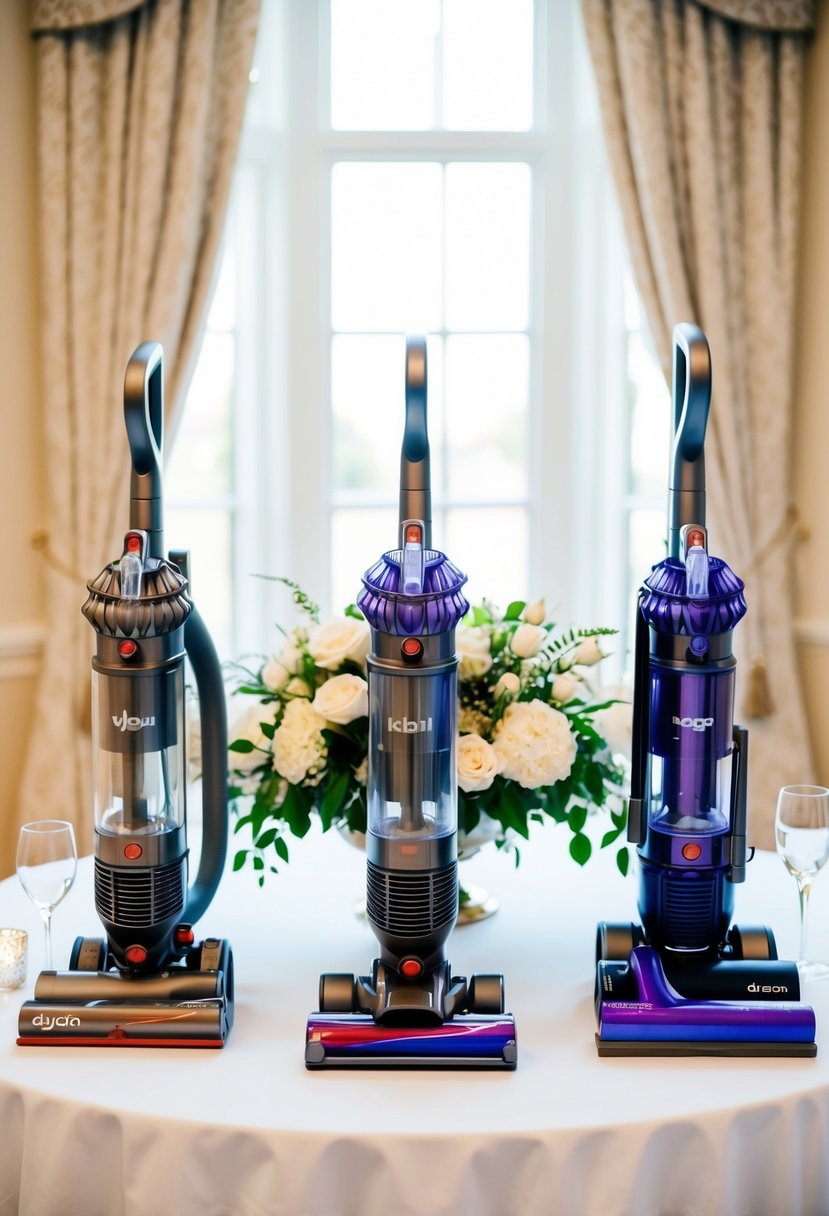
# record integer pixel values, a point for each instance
(248, 1131)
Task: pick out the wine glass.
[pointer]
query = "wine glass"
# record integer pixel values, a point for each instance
(47, 858)
(802, 831)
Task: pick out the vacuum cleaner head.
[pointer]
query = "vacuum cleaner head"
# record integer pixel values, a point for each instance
(197, 1023)
(353, 1040)
(660, 1022)
(177, 1007)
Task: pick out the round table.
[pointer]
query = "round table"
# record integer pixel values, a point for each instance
(248, 1131)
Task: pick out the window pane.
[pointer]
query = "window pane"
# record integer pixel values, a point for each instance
(486, 417)
(490, 546)
(650, 420)
(358, 539)
(383, 64)
(386, 224)
(206, 534)
(487, 246)
(223, 309)
(488, 65)
(368, 394)
(199, 465)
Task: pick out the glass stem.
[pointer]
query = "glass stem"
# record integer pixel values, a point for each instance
(804, 890)
(47, 938)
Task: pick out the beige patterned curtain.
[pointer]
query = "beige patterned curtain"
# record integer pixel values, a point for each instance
(701, 105)
(140, 107)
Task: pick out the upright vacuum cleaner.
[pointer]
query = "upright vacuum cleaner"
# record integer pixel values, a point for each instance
(412, 1012)
(682, 982)
(149, 983)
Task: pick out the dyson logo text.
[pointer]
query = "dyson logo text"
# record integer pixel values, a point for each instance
(126, 723)
(698, 724)
(44, 1022)
(407, 726)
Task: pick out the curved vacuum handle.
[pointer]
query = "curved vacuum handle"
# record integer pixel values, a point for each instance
(415, 472)
(691, 403)
(144, 416)
(213, 714)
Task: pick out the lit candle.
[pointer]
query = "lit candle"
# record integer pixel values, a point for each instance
(13, 949)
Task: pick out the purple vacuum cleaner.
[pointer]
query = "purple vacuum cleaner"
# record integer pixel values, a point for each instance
(689, 775)
(149, 982)
(412, 1012)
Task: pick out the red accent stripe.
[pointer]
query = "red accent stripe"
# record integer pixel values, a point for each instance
(104, 1042)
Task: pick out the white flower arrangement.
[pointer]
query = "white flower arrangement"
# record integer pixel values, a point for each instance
(530, 742)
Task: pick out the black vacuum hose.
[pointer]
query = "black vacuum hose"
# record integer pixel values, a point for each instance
(213, 714)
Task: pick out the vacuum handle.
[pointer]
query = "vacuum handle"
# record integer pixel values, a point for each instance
(415, 472)
(213, 722)
(641, 723)
(144, 416)
(691, 403)
(739, 803)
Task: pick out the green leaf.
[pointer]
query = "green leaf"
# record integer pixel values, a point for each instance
(240, 859)
(333, 799)
(258, 863)
(354, 612)
(240, 745)
(281, 848)
(610, 836)
(514, 610)
(267, 837)
(623, 861)
(268, 729)
(580, 848)
(480, 616)
(577, 818)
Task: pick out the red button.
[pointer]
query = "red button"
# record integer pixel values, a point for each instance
(691, 851)
(185, 936)
(133, 851)
(411, 967)
(412, 649)
(135, 954)
(127, 648)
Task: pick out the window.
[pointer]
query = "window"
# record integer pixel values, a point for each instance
(429, 166)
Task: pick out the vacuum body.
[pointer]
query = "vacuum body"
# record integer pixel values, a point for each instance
(411, 1011)
(146, 625)
(688, 805)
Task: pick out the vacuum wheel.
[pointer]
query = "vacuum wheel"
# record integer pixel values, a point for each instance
(615, 940)
(337, 993)
(486, 994)
(88, 954)
(752, 942)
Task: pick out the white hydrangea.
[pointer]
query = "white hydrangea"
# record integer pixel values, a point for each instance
(299, 750)
(534, 744)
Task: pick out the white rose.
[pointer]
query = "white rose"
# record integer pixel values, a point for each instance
(473, 651)
(298, 746)
(587, 653)
(477, 763)
(249, 726)
(342, 699)
(527, 640)
(534, 743)
(534, 613)
(340, 639)
(564, 688)
(615, 723)
(508, 683)
(275, 675)
(297, 687)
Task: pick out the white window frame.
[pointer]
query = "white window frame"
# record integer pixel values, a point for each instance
(577, 440)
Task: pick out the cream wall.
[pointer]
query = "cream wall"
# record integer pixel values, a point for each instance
(811, 423)
(22, 483)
